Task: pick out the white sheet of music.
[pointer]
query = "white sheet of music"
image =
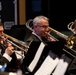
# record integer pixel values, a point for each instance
(62, 66)
(19, 55)
(37, 56)
(48, 65)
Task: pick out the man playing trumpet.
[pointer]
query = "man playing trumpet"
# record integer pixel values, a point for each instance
(7, 54)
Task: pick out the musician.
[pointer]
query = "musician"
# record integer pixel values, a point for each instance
(72, 67)
(72, 40)
(7, 54)
(39, 34)
(40, 28)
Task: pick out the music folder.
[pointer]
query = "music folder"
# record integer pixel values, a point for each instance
(36, 54)
(54, 63)
(33, 55)
(36, 57)
(41, 57)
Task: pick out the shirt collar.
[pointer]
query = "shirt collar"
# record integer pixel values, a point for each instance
(37, 36)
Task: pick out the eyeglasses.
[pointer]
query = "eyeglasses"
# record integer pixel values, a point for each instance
(43, 26)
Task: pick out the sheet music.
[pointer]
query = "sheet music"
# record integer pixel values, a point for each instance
(48, 65)
(36, 58)
(19, 55)
(62, 66)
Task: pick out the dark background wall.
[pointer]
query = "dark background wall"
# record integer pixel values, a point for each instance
(7, 12)
(59, 12)
(62, 13)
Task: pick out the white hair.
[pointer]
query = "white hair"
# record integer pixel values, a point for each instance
(37, 19)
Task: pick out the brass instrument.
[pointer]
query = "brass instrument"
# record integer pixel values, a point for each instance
(72, 39)
(70, 26)
(59, 33)
(29, 24)
(30, 27)
(17, 43)
(5, 39)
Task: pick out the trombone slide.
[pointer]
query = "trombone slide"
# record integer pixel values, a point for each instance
(17, 43)
(58, 33)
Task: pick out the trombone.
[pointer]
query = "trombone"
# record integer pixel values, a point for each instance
(30, 27)
(59, 33)
(71, 41)
(71, 26)
(21, 45)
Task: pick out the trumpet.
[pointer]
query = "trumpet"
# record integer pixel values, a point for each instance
(15, 42)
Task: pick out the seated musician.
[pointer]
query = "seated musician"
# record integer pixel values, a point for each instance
(72, 45)
(39, 34)
(7, 54)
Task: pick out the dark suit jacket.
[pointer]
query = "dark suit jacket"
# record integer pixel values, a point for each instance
(33, 38)
(72, 68)
(32, 51)
(11, 66)
(3, 60)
